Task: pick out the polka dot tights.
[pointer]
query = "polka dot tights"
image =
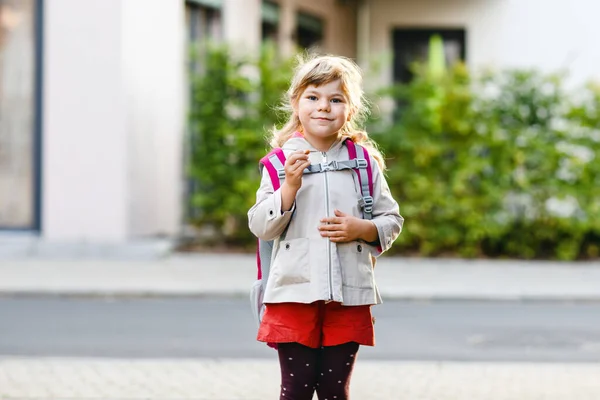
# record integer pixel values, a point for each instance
(326, 370)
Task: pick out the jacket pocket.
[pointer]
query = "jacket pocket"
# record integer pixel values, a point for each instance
(356, 266)
(291, 265)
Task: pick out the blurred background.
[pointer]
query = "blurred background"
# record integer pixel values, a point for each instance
(129, 121)
(130, 132)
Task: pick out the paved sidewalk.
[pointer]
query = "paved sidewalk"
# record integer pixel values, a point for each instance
(51, 378)
(81, 379)
(232, 274)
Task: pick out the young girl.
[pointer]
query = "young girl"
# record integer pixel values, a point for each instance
(321, 284)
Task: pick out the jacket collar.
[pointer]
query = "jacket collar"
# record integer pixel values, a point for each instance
(298, 142)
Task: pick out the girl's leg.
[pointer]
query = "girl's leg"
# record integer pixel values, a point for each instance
(298, 371)
(335, 369)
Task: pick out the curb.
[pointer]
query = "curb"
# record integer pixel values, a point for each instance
(236, 295)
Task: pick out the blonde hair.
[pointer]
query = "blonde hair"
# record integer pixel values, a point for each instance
(318, 70)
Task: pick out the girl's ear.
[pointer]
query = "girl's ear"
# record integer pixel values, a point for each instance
(350, 115)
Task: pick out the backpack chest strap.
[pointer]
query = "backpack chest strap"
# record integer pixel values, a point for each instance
(324, 167)
(358, 162)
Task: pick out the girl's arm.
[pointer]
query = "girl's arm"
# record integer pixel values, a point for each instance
(386, 212)
(288, 196)
(273, 210)
(268, 217)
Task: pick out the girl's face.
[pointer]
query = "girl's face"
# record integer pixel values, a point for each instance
(323, 110)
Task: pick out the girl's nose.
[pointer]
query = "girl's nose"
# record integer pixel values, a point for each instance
(323, 105)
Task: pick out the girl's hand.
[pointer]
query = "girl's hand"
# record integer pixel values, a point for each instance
(346, 228)
(295, 164)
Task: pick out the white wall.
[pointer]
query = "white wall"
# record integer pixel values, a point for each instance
(547, 34)
(113, 119)
(242, 24)
(84, 193)
(153, 49)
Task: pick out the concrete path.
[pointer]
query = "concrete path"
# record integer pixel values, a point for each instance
(82, 379)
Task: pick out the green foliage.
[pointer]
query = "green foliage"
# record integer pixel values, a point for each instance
(500, 165)
(233, 105)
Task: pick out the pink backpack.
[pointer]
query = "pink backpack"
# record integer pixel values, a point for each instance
(359, 161)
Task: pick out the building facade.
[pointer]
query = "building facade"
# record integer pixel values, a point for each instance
(93, 94)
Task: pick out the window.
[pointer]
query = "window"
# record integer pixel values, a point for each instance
(270, 21)
(18, 108)
(411, 45)
(309, 31)
(203, 19)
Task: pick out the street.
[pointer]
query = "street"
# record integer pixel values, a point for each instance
(223, 328)
(90, 348)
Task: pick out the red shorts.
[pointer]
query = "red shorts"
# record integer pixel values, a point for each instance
(317, 324)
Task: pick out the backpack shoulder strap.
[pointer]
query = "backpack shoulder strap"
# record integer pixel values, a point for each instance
(365, 175)
(263, 259)
(274, 162)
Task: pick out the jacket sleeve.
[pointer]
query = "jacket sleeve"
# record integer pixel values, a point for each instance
(265, 219)
(386, 211)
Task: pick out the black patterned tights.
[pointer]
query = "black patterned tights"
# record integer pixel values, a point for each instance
(326, 370)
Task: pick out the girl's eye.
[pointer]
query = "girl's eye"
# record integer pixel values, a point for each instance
(336, 100)
(312, 97)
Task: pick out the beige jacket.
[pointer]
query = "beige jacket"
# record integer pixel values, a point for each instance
(305, 267)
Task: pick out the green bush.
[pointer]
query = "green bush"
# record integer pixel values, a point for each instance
(498, 165)
(234, 103)
(502, 164)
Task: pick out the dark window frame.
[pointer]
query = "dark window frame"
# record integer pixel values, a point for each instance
(38, 114)
(270, 23)
(37, 159)
(401, 72)
(318, 33)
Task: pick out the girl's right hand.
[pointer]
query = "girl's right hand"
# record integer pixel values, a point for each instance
(294, 166)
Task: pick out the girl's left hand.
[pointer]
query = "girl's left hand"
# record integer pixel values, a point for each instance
(347, 228)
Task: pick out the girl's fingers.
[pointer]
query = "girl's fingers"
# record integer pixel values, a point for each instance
(295, 157)
(305, 165)
(332, 220)
(295, 165)
(300, 164)
(291, 164)
(299, 167)
(330, 227)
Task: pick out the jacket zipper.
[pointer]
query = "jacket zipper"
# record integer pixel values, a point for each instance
(327, 213)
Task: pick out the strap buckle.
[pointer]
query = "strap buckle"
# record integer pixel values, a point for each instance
(366, 203)
(361, 163)
(330, 166)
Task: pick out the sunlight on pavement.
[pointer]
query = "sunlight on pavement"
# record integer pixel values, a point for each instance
(77, 378)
